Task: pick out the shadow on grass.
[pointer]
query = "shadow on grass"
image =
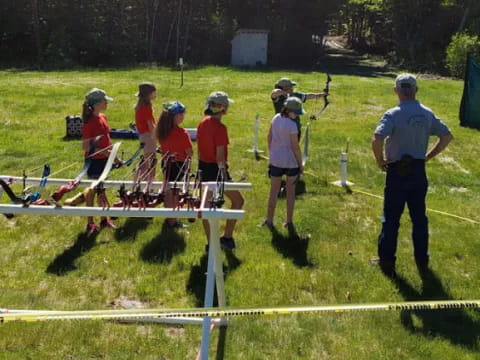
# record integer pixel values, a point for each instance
(454, 325)
(291, 246)
(130, 229)
(198, 277)
(65, 262)
(164, 246)
(350, 63)
(300, 189)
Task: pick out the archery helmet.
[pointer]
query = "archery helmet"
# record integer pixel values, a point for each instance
(174, 107)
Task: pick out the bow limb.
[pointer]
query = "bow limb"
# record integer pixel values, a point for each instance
(132, 158)
(326, 90)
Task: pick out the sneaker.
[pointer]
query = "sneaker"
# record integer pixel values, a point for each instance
(422, 265)
(107, 223)
(92, 228)
(227, 243)
(387, 267)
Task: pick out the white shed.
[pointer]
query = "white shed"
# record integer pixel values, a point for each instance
(249, 47)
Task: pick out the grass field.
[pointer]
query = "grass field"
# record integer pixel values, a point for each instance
(49, 262)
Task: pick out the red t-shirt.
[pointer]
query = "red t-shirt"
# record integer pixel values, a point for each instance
(97, 125)
(143, 116)
(211, 133)
(176, 143)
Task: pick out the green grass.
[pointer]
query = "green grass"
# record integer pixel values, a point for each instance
(48, 263)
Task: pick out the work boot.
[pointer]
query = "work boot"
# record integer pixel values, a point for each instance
(387, 267)
(422, 265)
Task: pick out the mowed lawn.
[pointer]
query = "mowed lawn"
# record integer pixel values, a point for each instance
(49, 263)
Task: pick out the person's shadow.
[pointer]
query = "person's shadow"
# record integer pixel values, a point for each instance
(65, 262)
(198, 277)
(129, 230)
(455, 325)
(300, 189)
(164, 246)
(291, 246)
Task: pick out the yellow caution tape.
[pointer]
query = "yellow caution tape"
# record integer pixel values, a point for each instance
(226, 312)
(428, 209)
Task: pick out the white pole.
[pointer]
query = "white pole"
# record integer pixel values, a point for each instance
(176, 321)
(255, 134)
(180, 62)
(204, 213)
(116, 183)
(305, 145)
(343, 169)
(256, 127)
(214, 245)
(217, 263)
(343, 182)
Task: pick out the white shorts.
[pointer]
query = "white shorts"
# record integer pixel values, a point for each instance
(149, 141)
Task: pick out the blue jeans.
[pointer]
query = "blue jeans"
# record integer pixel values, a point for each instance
(410, 189)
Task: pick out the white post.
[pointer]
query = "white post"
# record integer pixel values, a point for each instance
(305, 145)
(343, 169)
(343, 182)
(180, 62)
(213, 254)
(256, 127)
(217, 263)
(155, 185)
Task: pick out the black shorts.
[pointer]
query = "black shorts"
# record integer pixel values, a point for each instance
(176, 171)
(209, 171)
(274, 171)
(96, 168)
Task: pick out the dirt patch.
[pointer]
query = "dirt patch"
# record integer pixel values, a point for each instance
(125, 303)
(175, 332)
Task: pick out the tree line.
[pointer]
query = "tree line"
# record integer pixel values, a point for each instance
(66, 33)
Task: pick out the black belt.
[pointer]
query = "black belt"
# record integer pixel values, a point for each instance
(405, 165)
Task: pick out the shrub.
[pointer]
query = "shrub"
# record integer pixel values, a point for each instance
(460, 46)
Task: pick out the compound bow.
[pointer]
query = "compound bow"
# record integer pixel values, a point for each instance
(326, 90)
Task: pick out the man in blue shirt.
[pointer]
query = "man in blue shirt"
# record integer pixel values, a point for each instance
(405, 130)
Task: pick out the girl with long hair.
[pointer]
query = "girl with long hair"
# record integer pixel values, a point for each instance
(176, 141)
(145, 124)
(94, 124)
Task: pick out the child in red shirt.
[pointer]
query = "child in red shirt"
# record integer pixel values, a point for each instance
(95, 124)
(145, 123)
(174, 140)
(212, 140)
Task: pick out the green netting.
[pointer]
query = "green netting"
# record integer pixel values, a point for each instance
(470, 106)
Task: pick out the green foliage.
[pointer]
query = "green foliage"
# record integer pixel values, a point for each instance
(62, 33)
(461, 45)
(412, 33)
(364, 29)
